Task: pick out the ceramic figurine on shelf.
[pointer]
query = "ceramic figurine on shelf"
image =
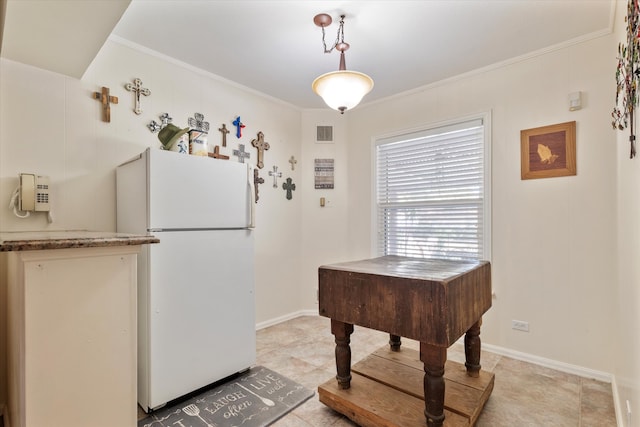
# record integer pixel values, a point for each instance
(174, 139)
(198, 143)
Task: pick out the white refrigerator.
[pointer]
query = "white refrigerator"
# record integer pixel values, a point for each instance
(196, 315)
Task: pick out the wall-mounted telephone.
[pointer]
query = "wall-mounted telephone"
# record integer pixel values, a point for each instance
(32, 195)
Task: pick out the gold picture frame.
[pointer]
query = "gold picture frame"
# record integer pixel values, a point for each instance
(548, 151)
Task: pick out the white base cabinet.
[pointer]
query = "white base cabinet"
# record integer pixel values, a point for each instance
(72, 337)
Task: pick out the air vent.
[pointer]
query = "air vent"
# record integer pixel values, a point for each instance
(324, 133)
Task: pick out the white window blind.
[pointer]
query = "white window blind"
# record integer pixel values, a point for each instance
(431, 193)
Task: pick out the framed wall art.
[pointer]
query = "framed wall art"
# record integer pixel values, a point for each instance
(324, 174)
(548, 151)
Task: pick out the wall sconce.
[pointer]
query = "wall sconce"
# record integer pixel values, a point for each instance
(343, 89)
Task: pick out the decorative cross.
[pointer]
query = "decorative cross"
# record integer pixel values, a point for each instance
(241, 153)
(165, 119)
(106, 99)
(224, 132)
(256, 181)
(216, 154)
(260, 145)
(275, 174)
(197, 122)
(289, 186)
(154, 126)
(293, 162)
(137, 90)
(239, 126)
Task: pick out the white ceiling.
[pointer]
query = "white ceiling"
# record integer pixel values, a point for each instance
(58, 35)
(274, 47)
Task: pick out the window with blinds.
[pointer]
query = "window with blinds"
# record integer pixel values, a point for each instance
(432, 193)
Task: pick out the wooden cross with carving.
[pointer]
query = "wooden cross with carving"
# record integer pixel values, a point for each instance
(289, 186)
(293, 162)
(241, 153)
(137, 90)
(224, 132)
(260, 145)
(106, 99)
(275, 174)
(216, 154)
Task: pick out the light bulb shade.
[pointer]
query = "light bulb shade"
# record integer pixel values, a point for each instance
(342, 90)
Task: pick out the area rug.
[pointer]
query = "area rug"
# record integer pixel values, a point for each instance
(256, 398)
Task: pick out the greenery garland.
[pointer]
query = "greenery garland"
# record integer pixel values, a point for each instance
(627, 76)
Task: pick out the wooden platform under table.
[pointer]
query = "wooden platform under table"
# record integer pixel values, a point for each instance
(431, 301)
(387, 391)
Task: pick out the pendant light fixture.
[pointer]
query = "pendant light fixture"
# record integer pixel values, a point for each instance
(343, 89)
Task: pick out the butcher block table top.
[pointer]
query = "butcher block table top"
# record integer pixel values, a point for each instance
(431, 301)
(428, 300)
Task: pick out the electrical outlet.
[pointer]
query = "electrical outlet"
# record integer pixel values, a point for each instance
(519, 325)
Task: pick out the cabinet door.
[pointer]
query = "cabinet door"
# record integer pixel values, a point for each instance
(79, 338)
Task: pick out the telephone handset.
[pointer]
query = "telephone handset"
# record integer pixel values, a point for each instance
(34, 193)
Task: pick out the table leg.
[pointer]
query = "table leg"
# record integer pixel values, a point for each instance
(394, 342)
(342, 332)
(434, 359)
(472, 350)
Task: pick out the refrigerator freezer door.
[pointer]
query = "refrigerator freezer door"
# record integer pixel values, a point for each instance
(201, 320)
(196, 192)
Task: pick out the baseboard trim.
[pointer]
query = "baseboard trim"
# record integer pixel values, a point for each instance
(284, 318)
(620, 415)
(550, 363)
(525, 357)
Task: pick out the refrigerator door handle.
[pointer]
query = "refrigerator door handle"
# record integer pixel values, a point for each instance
(252, 196)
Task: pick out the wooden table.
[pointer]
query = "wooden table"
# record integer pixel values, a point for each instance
(432, 301)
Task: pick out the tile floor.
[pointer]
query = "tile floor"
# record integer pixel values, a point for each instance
(524, 394)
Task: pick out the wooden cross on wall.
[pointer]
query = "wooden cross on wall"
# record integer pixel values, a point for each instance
(293, 162)
(106, 100)
(224, 132)
(137, 90)
(216, 154)
(260, 145)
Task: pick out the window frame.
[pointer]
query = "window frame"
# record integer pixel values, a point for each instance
(485, 117)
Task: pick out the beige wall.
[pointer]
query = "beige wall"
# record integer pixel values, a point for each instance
(559, 244)
(627, 300)
(553, 240)
(50, 125)
(626, 311)
(324, 229)
(3, 331)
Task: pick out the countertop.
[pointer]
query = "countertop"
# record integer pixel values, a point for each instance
(39, 240)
